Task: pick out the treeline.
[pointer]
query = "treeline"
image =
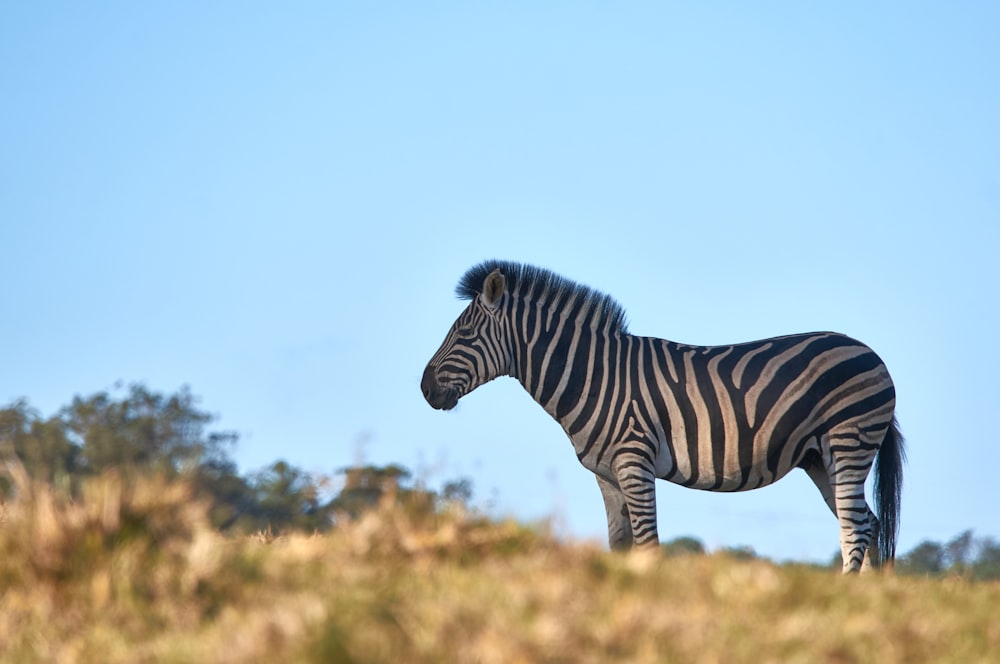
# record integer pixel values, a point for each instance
(142, 432)
(145, 432)
(967, 556)
(976, 558)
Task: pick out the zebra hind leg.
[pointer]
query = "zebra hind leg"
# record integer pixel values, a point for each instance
(851, 458)
(846, 499)
(619, 524)
(814, 467)
(857, 534)
(871, 560)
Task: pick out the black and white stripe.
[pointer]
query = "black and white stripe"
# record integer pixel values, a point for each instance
(718, 418)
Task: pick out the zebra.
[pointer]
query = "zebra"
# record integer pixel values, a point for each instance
(717, 418)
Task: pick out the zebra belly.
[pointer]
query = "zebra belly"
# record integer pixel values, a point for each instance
(753, 477)
(746, 460)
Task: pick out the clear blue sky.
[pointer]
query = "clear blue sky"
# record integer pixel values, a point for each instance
(273, 205)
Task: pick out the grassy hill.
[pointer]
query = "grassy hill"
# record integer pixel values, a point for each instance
(133, 572)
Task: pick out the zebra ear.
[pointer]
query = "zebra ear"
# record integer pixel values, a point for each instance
(493, 289)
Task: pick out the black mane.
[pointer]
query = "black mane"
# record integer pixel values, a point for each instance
(538, 284)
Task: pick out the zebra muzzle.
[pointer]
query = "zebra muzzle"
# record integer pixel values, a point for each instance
(441, 397)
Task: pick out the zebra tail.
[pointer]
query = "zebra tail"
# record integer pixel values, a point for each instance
(888, 489)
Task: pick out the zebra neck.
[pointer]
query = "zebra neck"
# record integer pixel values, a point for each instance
(558, 367)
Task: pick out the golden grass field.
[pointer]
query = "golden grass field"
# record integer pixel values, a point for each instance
(132, 572)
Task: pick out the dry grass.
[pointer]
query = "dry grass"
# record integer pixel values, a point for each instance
(134, 573)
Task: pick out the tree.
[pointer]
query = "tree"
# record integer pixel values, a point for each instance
(364, 487)
(976, 558)
(926, 558)
(232, 501)
(739, 552)
(289, 498)
(42, 447)
(958, 552)
(683, 545)
(457, 491)
(987, 562)
(144, 430)
(140, 432)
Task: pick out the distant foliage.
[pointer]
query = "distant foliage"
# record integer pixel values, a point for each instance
(143, 433)
(365, 486)
(138, 432)
(967, 556)
(975, 558)
(683, 546)
(739, 552)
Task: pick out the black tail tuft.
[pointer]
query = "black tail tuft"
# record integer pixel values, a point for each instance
(888, 488)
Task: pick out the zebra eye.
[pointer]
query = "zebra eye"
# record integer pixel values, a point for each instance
(465, 332)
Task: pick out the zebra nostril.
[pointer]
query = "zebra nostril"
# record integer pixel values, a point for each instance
(428, 382)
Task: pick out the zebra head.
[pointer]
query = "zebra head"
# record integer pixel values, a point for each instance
(475, 351)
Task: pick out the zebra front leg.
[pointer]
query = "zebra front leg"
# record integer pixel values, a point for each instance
(636, 481)
(619, 526)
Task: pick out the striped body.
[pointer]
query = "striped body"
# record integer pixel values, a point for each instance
(719, 418)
